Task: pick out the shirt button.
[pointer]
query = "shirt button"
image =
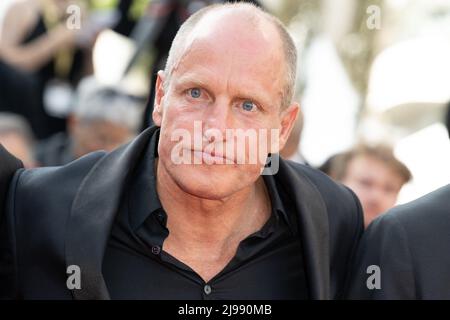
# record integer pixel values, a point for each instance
(207, 289)
(156, 249)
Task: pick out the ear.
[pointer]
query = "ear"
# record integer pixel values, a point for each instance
(288, 117)
(159, 95)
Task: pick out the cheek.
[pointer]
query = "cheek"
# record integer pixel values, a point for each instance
(175, 143)
(390, 200)
(176, 114)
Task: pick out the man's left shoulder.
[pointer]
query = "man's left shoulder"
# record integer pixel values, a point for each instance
(341, 201)
(338, 218)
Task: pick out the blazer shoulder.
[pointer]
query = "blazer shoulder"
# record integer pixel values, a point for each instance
(423, 224)
(417, 230)
(47, 178)
(49, 188)
(345, 215)
(340, 200)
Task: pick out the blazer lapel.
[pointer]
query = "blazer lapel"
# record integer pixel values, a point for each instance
(313, 226)
(93, 212)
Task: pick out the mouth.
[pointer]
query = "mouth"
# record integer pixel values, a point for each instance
(212, 157)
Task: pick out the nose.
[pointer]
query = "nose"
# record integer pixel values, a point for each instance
(217, 117)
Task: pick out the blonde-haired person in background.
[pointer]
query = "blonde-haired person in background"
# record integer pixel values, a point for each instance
(374, 174)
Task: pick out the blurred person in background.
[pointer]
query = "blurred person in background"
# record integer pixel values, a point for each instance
(40, 40)
(17, 138)
(103, 119)
(374, 174)
(409, 244)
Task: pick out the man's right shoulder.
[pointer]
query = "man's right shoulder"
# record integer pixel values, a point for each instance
(47, 185)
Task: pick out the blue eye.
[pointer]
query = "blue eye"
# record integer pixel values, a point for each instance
(248, 105)
(195, 93)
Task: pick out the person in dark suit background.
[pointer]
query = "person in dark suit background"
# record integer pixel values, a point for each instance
(404, 254)
(137, 223)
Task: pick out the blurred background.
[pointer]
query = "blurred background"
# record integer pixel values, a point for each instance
(375, 72)
(76, 76)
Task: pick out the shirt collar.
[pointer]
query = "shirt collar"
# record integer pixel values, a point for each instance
(143, 198)
(278, 204)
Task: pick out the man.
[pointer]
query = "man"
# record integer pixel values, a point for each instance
(103, 118)
(374, 174)
(174, 216)
(409, 248)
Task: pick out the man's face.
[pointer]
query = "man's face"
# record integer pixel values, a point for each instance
(376, 185)
(228, 78)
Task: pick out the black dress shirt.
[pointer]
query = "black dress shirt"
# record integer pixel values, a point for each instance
(268, 264)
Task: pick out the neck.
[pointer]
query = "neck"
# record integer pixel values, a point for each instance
(215, 226)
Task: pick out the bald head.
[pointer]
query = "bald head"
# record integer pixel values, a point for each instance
(241, 25)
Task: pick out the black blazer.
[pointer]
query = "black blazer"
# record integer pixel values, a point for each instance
(62, 216)
(8, 166)
(411, 245)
